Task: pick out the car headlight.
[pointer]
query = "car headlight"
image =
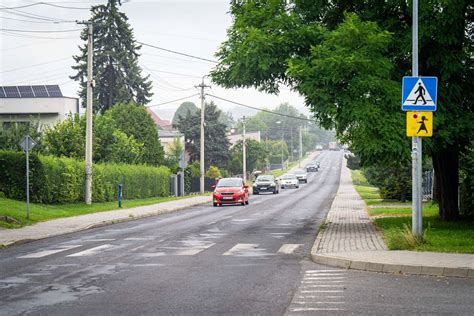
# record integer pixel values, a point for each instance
(272, 184)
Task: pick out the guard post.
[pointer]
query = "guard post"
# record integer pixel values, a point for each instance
(120, 194)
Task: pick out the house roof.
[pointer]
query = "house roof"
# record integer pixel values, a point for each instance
(168, 134)
(158, 120)
(38, 91)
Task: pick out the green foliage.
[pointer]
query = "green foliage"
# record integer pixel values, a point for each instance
(117, 74)
(394, 183)
(12, 135)
(183, 110)
(347, 59)
(215, 141)
(256, 156)
(467, 184)
(213, 172)
(61, 180)
(135, 122)
(278, 151)
(67, 139)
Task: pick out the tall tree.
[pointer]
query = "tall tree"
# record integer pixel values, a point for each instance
(118, 77)
(135, 121)
(216, 144)
(342, 64)
(183, 109)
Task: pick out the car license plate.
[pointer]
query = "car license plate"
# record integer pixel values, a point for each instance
(263, 188)
(227, 198)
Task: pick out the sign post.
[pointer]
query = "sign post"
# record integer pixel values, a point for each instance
(27, 144)
(418, 94)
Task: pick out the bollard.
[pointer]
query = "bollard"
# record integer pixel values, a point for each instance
(120, 190)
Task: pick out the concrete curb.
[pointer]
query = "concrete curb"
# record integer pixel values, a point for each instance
(347, 263)
(101, 224)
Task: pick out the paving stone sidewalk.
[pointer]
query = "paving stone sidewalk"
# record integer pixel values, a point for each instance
(68, 225)
(351, 240)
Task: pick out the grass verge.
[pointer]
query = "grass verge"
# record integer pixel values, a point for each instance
(44, 212)
(394, 220)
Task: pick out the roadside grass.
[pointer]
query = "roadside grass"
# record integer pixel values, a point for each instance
(438, 236)
(394, 220)
(44, 212)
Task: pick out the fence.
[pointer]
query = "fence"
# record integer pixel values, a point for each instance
(193, 184)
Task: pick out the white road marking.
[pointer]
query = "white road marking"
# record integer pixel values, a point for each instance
(45, 253)
(100, 240)
(312, 271)
(240, 248)
(309, 309)
(91, 251)
(324, 274)
(138, 239)
(326, 281)
(136, 248)
(324, 278)
(288, 248)
(322, 285)
(192, 251)
(322, 291)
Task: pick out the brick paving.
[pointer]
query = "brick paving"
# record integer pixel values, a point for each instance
(349, 227)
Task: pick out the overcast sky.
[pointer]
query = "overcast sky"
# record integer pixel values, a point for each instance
(195, 27)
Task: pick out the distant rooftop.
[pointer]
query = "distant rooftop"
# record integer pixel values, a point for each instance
(42, 91)
(167, 134)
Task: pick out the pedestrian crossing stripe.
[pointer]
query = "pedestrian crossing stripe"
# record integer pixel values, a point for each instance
(419, 124)
(419, 93)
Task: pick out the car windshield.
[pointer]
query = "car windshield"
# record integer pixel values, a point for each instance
(265, 178)
(229, 183)
(288, 176)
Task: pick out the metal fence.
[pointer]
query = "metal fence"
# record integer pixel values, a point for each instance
(427, 185)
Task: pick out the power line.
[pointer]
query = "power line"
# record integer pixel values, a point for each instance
(149, 106)
(28, 21)
(178, 53)
(174, 73)
(259, 109)
(35, 65)
(13, 34)
(35, 31)
(43, 3)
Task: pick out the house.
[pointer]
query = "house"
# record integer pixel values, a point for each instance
(43, 103)
(163, 124)
(234, 138)
(167, 138)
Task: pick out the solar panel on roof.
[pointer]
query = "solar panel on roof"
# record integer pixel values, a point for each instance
(40, 91)
(26, 92)
(11, 92)
(2, 93)
(54, 91)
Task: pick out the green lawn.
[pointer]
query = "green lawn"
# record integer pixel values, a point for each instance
(45, 212)
(438, 236)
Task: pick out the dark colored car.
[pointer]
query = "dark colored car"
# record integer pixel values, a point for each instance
(312, 167)
(266, 183)
(230, 191)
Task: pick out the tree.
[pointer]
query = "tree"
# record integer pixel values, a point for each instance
(118, 77)
(135, 121)
(216, 144)
(256, 156)
(12, 135)
(67, 139)
(182, 110)
(344, 63)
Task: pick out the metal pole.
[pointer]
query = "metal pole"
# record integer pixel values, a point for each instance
(27, 177)
(417, 224)
(201, 152)
(88, 190)
(244, 158)
(301, 148)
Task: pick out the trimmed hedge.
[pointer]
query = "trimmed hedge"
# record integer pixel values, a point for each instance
(61, 180)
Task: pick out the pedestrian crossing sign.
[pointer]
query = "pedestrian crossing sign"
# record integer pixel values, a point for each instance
(419, 124)
(419, 93)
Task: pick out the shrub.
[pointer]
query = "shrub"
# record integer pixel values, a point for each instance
(61, 180)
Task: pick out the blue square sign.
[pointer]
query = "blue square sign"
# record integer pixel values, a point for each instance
(419, 93)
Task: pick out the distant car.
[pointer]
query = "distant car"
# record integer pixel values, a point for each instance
(312, 167)
(266, 183)
(301, 175)
(230, 191)
(289, 180)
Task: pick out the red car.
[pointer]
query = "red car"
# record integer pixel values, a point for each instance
(230, 191)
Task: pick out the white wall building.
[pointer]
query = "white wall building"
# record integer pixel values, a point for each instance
(44, 104)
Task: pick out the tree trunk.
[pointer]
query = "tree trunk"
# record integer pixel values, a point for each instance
(446, 165)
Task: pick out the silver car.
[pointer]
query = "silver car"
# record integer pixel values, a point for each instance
(289, 180)
(301, 175)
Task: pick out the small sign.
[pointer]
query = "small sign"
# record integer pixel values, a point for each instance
(27, 143)
(419, 124)
(419, 93)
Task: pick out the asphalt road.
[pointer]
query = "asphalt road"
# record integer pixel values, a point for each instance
(204, 260)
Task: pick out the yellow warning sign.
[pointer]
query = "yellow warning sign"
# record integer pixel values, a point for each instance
(420, 124)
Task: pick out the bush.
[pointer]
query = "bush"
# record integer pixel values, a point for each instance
(213, 172)
(61, 180)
